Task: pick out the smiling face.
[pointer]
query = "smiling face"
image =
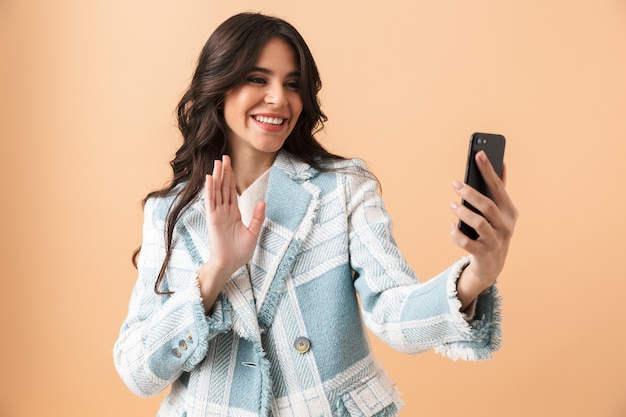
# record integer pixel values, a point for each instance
(261, 112)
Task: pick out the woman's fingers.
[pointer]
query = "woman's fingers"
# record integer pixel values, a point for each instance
(220, 185)
(229, 175)
(209, 194)
(258, 215)
(226, 180)
(497, 185)
(500, 212)
(217, 183)
(493, 218)
(483, 227)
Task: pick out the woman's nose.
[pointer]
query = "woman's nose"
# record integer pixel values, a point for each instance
(275, 95)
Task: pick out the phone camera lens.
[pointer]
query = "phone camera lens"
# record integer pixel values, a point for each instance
(479, 141)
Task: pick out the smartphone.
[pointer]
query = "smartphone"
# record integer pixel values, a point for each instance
(493, 145)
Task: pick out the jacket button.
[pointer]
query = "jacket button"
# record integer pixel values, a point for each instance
(302, 345)
(182, 345)
(177, 353)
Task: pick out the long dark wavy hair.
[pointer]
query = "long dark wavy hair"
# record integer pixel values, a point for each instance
(225, 61)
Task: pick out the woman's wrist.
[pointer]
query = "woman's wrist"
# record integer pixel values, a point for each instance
(211, 279)
(469, 286)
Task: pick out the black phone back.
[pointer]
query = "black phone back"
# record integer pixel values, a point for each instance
(493, 145)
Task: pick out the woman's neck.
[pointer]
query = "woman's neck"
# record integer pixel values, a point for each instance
(248, 168)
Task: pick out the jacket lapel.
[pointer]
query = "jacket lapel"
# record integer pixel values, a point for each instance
(292, 205)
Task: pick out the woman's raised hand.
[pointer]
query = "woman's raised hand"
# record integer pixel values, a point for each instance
(231, 243)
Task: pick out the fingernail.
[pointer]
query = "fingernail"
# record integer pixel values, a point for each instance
(457, 184)
(482, 156)
(454, 206)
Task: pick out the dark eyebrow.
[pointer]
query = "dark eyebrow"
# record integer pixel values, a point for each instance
(266, 71)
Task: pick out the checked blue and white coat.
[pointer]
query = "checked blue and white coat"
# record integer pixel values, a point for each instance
(326, 238)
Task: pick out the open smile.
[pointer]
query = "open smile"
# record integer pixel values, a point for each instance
(276, 121)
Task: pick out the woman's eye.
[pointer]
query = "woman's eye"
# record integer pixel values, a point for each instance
(256, 80)
(293, 85)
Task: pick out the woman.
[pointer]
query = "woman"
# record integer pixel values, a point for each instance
(246, 297)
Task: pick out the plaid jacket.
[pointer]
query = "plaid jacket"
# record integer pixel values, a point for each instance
(286, 336)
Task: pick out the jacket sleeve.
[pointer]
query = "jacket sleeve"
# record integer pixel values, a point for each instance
(409, 315)
(164, 335)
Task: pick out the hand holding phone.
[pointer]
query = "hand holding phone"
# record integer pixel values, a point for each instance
(493, 146)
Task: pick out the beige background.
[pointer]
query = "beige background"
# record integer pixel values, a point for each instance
(88, 90)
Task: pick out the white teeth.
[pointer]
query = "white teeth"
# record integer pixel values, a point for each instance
(269, 120)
